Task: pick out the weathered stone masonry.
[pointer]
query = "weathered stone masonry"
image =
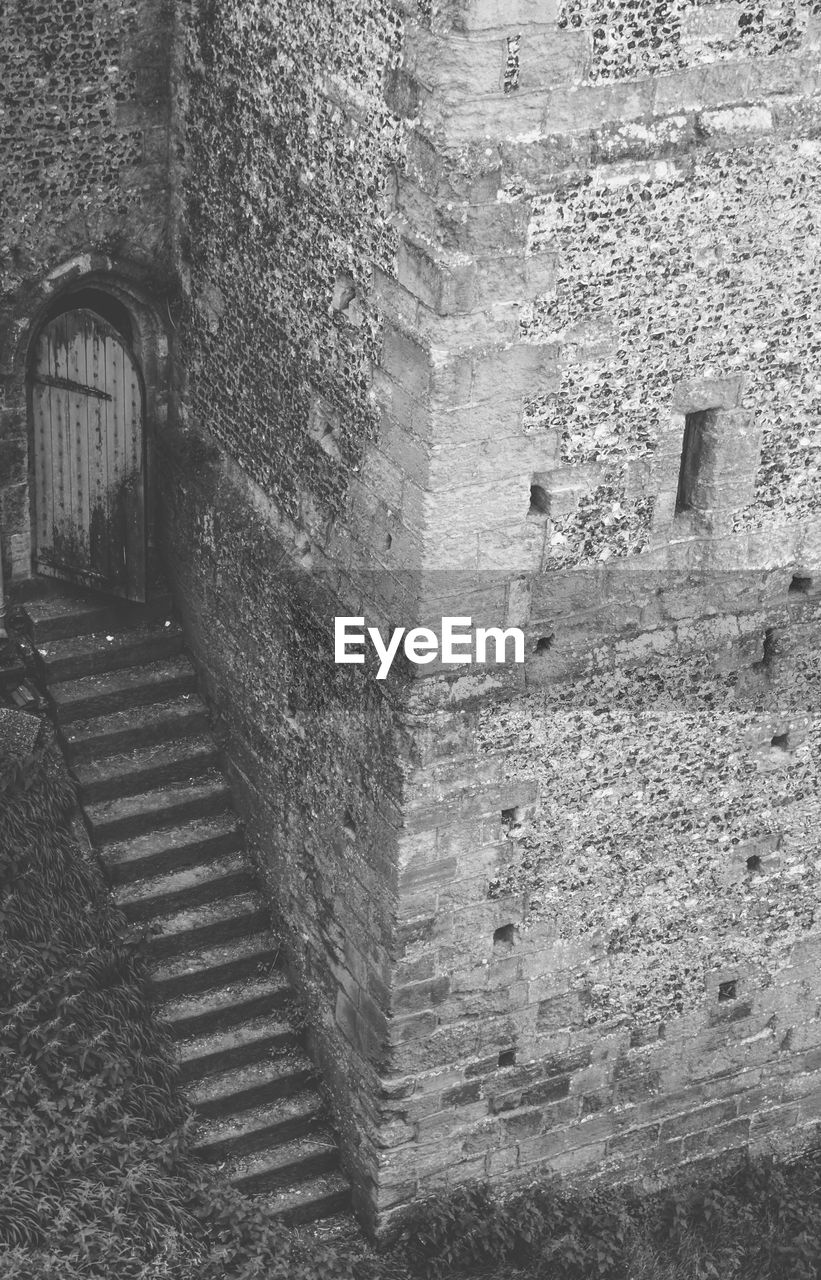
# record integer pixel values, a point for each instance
(447, 289)
(607, 238)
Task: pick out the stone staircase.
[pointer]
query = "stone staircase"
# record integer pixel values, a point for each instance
(157, 806)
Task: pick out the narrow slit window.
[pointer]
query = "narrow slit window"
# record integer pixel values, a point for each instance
(692, 457)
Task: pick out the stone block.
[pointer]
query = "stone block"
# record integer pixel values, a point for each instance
(463, 120)
(406, 362)
(415, 1027)
(723, 1137)
(524, 1124)
(698, 1119)
(430, 874)
(575, 109)
(699, 88)
(418, 996)
(776, 1120)
(550, 1090)
(445, 286)
(694, 394)
(480, 463)
(577, 1140)
(480, 15)
(633, 1142)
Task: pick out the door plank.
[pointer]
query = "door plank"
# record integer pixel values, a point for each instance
(60, 533)
(88, 428)
(134, 490)
(100, 550)
(78, 334)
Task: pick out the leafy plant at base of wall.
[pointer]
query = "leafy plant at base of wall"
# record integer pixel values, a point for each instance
(760, 1220)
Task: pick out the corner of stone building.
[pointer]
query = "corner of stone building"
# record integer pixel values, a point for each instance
(591, 402)
(511, 331)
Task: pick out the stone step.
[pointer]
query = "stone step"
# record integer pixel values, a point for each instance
(174, 848)
(127, 773)
(102, 651)
(208, 968)
(285, 1165)
(205, 926)
(319, 1197)
(116, 690)
(159, 810)
(227, 1005)
(175, 890)
(59, 617)
(219, 1051)
(135, 727)
(285, 1118)
(111, 820)
(337, 1229)
(252, 1085)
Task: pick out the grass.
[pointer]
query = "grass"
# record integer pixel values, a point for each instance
(759, 1220)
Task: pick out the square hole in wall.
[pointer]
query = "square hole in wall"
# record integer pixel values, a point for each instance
(544, 644)
(780, 741)
(539, 501)
(799, 585)
(728, 990)
(510, 819)
(769, 648)
(504, 935)
(507, 1058)
(754, 862)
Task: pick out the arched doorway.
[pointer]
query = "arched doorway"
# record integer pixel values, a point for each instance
(87, 405)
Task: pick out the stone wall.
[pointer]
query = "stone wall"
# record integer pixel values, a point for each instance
(609, 921)
(315, 756)
(289, 157)
(84, 156)
(276, 516)
(608, 246)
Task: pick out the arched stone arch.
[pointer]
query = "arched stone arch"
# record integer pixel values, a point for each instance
(126, 292)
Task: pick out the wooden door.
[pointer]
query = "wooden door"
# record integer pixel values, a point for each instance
(89, 458)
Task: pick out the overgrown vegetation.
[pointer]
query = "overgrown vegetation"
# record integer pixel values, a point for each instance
(94, 1176)
(759, 1221)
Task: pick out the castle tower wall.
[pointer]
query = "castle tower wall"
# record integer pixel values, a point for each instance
(607, 252)
(508, 310)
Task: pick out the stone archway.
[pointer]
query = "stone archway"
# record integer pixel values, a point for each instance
(87, 416)
(125, 305)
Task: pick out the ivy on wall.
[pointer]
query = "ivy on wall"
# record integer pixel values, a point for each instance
(291, 153)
